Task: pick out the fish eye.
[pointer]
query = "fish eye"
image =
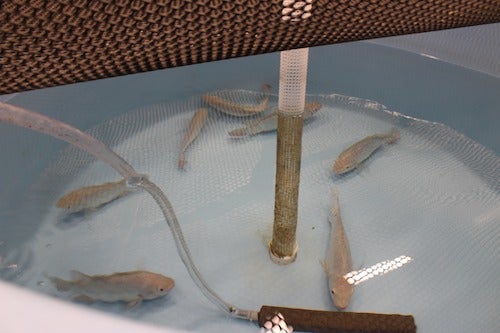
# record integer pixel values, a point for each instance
(161, 289)
(333, 292)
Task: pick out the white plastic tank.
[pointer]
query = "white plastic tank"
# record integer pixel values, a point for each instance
(22, 310)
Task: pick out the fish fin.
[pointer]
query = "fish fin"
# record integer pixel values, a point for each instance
(331, 216)
(126, 190)
(355, 271)
(251, 122)
(266, 241)
(90, 210)
(76, 275)
(362, 167)
(133, 303)
(393, 136)
(83, 299)
(239, 132)
(181, 164)
(323, 264)
(122, 182)
(310, 108)
(266, 88)
(265, 237)
(335, 210)
(60, 284)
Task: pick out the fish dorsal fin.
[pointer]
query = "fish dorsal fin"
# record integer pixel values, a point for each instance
(79, 276)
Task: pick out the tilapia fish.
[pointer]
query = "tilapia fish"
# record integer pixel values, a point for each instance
(352, 157)
(195, 126)
(92, 197)
(235, 109)
(338, 259)
(130, 287)
(269, 123)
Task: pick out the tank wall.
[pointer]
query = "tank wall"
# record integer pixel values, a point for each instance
(29, 153)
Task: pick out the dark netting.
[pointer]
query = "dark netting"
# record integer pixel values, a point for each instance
(48, 43)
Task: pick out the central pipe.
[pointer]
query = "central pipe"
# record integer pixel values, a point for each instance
(292, 92)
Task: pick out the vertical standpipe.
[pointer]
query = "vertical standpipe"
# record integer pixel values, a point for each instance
(292, 93)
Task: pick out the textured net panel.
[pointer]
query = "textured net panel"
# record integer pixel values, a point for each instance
(48, 43)
(433, 196)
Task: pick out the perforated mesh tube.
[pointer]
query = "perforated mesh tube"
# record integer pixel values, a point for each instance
(293, 80)
(292, 90)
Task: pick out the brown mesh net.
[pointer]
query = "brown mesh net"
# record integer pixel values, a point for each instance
(48, 43)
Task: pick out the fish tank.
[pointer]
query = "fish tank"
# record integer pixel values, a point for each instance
(430, 199)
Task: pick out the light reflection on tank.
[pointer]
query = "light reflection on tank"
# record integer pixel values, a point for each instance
(381, 268)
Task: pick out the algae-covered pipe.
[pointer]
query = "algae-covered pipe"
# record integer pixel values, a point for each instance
(292, 92)
(18, 116)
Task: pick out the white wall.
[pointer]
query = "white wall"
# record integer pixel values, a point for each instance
(476, 47)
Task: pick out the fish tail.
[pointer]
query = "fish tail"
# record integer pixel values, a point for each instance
(182, 163)
(335, 204)
(123, 183)
(266, 88)
(240, 132)
(393, 136)
(79, 276)
(125, 186)
(310, 108)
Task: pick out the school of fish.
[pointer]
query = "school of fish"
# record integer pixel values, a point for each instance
(136, 286)
(269, 123)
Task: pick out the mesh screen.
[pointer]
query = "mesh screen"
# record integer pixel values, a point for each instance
(48, 43)
(426, 196)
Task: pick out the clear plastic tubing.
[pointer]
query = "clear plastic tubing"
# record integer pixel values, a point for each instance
(18, 116)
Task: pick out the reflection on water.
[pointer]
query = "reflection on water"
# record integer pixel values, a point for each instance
(379, 269)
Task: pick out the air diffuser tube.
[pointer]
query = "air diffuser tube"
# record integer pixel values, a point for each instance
(18, 116)
(304, 320)
(292, 91)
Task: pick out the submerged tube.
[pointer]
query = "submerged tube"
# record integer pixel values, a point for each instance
(292, 93)
(185, 255)
(18, 116)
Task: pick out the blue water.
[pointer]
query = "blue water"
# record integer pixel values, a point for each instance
(440, 200)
